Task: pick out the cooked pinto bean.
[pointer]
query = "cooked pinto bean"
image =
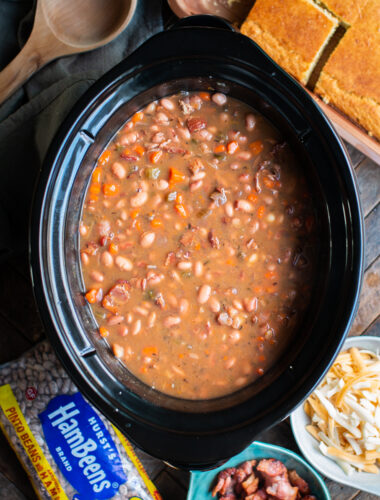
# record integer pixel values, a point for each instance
(200, 230)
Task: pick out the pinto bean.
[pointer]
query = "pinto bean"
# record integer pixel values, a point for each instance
(141, 310)
(136, 327)
(172, 321)
(83, 230)
(234, 336)
(230, 363)
(123, 263)
(204, 294)
(104, 227)
(198, 268)
(244, 206)
(195, 185)
(151, 319)
(115, 320)
(158, 137)
(118, 350)
(219, 99)
(84, 258)
(214, 304)
(139, 199)
(97, 276)
(244, 155)
(184, 265)
(167, 104)
(250, 304)
(162, 185)
(229, 209)
(162, 118)
(123, 330)
(183, 306)
(147, 239)
(107, 259)
(250, 122)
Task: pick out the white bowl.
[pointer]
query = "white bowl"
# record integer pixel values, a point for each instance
(309, 446)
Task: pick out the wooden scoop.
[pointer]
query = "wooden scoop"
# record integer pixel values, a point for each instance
(63, 27)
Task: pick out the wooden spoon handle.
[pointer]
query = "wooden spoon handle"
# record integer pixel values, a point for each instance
(29, 60)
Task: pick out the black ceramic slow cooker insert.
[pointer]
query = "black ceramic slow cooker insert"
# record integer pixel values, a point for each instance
(197, 54)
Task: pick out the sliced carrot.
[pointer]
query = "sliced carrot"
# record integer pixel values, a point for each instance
(104, 157)
(205, 96)
(134, 213)
(155, 156)
(260, 211)
(94, 197)
(103, 331)
(137, 117)
(220, 148)
(95, 188)
(232, 147)
(113, 248)
(181, 355)
(176, 176)
(256, 147)
(230, 262)
(181, 210)
(92, 295)
(96, 175)
(253, 197)
(111, 189)
(156, 223)
(140, 150)
(150, 350)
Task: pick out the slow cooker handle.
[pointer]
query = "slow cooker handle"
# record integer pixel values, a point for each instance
(202, 20)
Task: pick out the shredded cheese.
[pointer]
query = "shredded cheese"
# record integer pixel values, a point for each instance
(344, 412)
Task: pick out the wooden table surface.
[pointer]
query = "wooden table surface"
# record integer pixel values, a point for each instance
(20, 329)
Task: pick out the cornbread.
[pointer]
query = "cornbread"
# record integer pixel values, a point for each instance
(292, 32)
(351, 78)
(348, 11)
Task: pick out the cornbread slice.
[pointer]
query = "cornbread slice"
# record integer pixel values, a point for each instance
(351, 78)
(348, 11)
(292, 32)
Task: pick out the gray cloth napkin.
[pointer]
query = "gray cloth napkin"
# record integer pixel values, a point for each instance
(30, 118)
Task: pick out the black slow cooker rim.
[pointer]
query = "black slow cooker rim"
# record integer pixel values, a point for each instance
(59, 144)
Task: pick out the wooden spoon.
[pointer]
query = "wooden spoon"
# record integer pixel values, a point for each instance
(233, 11)
(63, 27)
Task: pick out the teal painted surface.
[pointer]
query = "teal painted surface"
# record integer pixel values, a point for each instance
(201, 483)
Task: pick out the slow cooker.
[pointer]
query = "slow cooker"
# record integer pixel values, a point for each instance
(198, 53)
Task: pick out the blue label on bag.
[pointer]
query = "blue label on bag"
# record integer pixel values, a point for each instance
(82, 447)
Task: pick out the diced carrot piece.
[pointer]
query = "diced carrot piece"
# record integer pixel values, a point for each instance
(137, 225)
(181, 355)
(197, 246)
(205, 96)
(140, 150)
(261, 358)
(232, 147)
(155, 156)
(156, 223)
(134, 213)
(268, 183)
(179, 198)
(96, 175)
(150, 350)
(111, 189)
(137, 117)
(95, 188)
(113, 248)
(256, 147)
(143, 369)
(230, 262)
(220, 148)
(260, 211)
(176, 176)
(252, 197)
(181, 210)
(103, 331)
(270, 275)
(92, 295)
(104, 157)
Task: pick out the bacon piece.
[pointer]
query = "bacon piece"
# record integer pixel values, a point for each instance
(116, 296)
(195, 124)
(276, 479)
(174, 149)
(185, 106)
(258, 495)
(213, 239)
(196, 166)
(91, 248)
(129, 157)
(159, 301)
(301, 484)
(170, 259)
(224, 482)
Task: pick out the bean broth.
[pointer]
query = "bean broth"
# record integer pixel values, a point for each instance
(198, 245)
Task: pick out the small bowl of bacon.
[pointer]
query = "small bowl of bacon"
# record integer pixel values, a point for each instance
(261, 472)
(338, 426)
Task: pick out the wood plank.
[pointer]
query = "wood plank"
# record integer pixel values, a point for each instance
(368, 175)
(9, 491)
(372, 236)
(169, 488)
(12, 343)
(17, 303)
(356, 156)
(365, 496)
(369, 307)
(374, 328)
(340, 491)
(12, 470)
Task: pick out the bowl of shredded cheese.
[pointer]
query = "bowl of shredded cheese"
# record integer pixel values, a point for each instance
(337, 428)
